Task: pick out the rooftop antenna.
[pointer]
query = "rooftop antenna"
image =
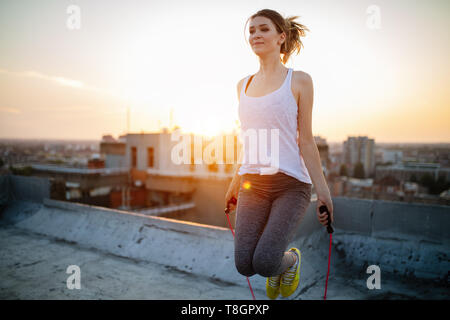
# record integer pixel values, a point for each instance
(128, 119)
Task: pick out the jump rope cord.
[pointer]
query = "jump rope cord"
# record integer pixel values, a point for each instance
(330, 230)
(248, 281)
(328, 272)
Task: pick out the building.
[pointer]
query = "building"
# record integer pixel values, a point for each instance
(113, 152)
(322, 147)
(359, 150)
(392, 156)
(406, 170)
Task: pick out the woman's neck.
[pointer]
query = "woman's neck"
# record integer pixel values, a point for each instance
(270, 67)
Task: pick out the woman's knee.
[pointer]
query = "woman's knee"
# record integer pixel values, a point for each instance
(264, 263)
(243, 264)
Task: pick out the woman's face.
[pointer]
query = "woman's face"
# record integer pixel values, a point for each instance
(263, 37)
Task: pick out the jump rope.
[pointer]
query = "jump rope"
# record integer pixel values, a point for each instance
(330, 230)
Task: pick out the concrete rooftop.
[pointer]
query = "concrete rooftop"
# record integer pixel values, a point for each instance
(125, 255)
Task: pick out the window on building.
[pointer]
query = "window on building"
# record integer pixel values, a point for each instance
(133, 157)
(150, 157)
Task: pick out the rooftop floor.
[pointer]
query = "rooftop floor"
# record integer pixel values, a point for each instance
(125, 255)
(34, 267)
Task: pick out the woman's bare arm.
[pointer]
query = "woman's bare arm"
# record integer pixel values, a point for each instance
(308, 147)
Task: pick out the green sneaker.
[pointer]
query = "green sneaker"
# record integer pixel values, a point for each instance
(273, 286)
(290, 278)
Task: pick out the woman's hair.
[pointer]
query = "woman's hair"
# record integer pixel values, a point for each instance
(291, 28)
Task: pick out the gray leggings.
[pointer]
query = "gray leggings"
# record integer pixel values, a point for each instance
(267, 217)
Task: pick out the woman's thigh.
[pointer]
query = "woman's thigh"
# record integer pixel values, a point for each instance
(252, 212)
(287, 211)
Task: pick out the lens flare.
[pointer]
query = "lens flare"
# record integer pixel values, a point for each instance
(246, 185)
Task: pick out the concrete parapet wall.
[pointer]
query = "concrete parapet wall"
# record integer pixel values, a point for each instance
(401, 238)
(23, 188)
(201, 249)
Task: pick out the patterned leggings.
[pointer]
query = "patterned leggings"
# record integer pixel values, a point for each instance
(268, 214)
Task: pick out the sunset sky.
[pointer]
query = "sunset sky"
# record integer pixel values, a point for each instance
(391, 83)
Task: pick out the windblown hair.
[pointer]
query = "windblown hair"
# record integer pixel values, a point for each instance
(291, 28)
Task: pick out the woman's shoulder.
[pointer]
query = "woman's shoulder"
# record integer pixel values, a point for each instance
(301, 82)
(301, 76)
(239, 86)
(240, 82)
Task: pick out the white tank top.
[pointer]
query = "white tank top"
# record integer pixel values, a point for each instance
(276, 110)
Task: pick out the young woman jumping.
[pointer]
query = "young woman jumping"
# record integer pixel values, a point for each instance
(271, 205)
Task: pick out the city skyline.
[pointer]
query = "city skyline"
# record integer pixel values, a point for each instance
(388, 83)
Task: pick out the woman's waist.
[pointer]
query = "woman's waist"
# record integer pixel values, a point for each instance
(281, 158)
(271, 182)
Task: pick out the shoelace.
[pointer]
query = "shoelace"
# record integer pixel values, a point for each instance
(274, 282)
(289, 275)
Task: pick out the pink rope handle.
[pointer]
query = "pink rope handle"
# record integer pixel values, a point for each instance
(330, 230)
(248, 281)
(328, 272)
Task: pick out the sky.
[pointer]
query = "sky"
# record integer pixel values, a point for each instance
(382, 74)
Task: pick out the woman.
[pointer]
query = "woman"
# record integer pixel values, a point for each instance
(271, 206)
